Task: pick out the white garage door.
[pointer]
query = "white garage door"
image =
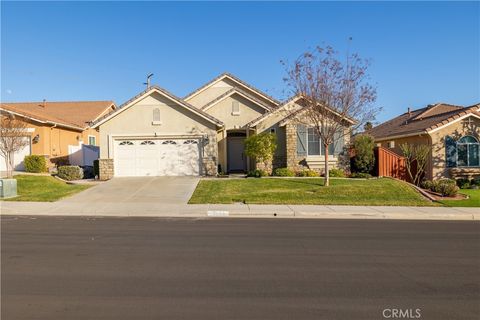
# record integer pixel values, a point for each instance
(155, 157)
(17, 158)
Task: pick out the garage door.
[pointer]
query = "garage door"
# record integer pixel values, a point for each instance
(17, 158)
(155, 157)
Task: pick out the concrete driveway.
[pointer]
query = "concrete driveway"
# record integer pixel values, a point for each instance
(171, 190)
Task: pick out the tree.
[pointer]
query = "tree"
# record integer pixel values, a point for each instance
(364, 159)
(416, 159)
(12, 140)
(261, 147)
(335, 91)
(368, 126)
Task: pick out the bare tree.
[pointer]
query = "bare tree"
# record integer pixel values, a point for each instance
(416, 157)
(12, 139)
(337, 97)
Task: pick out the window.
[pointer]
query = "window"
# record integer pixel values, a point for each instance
(272, 130)
(126, 143)
(190, 142)
(92, 140)
(313, 142)
(147, 143)
(235, 108)
(169, 142)
(468, 152)
(156, 117)
(391, 144)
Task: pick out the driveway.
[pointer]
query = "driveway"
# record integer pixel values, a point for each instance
(171, 190)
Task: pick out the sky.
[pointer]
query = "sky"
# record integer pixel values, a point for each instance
(420, 52)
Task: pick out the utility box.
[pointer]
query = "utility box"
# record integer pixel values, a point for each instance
(8, 188)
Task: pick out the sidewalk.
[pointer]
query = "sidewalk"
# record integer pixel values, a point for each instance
(135, 209)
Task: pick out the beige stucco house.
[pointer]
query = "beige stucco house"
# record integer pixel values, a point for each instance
(453, 132)
(157, 133)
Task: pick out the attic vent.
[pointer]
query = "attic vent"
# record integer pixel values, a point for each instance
(156, 117)
(235, 108)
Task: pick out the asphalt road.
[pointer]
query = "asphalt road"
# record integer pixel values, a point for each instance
(127, 268)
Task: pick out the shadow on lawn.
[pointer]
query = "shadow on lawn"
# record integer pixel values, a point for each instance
(309, 182)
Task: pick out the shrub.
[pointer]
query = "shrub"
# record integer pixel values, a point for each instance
(70, 173)
(35, 163)
(361, 175)
(464, 183)
(338, 173)
(257, 173)
(96, 168)
(475, 181)
(364, 158)
(426, 184)
(307, 173)
(283, 172)
(261, 147)
(446, 187)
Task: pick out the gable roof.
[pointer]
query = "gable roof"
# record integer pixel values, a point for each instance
(422, 120)
(164, 93)
(231, 92)
(72, 114)
(234, 79)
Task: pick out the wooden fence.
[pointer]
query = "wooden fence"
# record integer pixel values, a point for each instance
(390, 164)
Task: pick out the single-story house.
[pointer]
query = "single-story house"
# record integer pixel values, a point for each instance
(453, 132)
(60, 131)
(157, 133)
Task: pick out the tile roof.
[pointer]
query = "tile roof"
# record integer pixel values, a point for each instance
(231, 76)
(421, 120)
(166, 93)
(70, 113)
(232, 91)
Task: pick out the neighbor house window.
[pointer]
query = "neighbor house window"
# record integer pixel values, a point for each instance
(156, 117)
(462, 153)
(391, 144)
(92, 140)
(235, 108)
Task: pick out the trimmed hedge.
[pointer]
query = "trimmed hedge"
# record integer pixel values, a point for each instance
(70, 173)
(283, 172)
(307, 173)
(35, 163)
(361, 175)
(336, 173)
(257, 173)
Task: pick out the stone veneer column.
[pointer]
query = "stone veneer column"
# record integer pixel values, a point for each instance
(291, 146)
(105, 169)
(209, 166)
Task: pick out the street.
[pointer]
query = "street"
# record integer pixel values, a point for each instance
(160, 268)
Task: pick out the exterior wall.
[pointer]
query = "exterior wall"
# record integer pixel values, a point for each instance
(54, 141)
(176, 120)
(455, 130)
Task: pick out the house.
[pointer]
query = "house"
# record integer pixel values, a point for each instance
(157, 133)
(453, 132)
(60, 131)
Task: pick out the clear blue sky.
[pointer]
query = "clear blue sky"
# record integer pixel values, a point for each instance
(421, 52)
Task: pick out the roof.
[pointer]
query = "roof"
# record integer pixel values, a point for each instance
(422, 120)
(235, 79)
(163, 92)
(76, 114)
(240, 92)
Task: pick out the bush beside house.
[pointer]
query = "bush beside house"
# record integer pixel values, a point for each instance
(35, 163)
(70, 173)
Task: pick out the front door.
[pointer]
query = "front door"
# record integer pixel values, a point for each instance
(236, 155)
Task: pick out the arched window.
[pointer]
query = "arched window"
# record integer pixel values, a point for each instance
(126, 143)
(190, 142)
(468, 152)
(169, 142)
(147, 142)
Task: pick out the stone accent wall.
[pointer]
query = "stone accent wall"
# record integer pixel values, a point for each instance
(277, 162)
(105, 168)
(209, 166)
(293, 161)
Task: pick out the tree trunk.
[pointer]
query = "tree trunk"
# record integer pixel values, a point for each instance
(9, 161)
(327, 175)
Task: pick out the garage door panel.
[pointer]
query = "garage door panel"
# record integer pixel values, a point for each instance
(157, 157)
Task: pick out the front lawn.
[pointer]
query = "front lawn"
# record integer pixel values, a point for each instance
(376, 192)
(43, 188)
(472, 201)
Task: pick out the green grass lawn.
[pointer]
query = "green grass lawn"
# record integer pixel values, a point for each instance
(386, 192)
(472, 201)
(43, 188)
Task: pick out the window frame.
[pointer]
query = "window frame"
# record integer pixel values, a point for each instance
(467, 151)
(94, 138)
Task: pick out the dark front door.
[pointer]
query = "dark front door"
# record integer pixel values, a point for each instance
(236, 159)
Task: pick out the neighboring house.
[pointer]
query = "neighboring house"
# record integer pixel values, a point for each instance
(453, 132)
(60, 131)
(157, 133)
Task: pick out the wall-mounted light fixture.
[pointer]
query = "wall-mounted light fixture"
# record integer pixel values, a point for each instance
(36, 139)
(206, 140)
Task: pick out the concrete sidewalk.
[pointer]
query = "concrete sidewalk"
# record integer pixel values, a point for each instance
(155, 209)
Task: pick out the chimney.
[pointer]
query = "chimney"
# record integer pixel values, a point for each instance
(409, 111)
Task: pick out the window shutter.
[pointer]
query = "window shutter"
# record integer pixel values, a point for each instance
(450, 152)
(301, 140)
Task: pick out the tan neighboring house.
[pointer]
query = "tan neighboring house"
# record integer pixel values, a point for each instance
(60, 131)
(159, 134)
(452, 131)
